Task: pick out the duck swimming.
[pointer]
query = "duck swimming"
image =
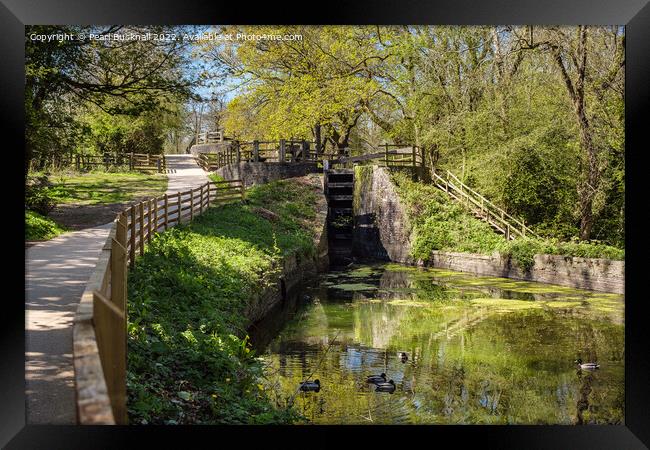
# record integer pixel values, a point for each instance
(310, 386)
(587, 366)
(376, 378)
(388, 386)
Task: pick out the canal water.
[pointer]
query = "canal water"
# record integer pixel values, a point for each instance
(480, 350)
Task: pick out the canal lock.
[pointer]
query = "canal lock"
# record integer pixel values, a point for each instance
(339, 187)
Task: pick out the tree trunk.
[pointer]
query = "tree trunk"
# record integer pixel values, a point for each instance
(590, 179)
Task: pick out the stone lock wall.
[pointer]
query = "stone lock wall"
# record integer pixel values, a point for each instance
(381, 227)
(582, 273)
(264, 172)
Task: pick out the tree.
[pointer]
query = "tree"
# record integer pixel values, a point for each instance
(315, 86)
(127, 77)
(572, 53)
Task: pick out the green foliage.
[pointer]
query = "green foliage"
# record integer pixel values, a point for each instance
(216, 177)
(523, 250)
(189, 358)
(438, 223)
(98, 94)
(40, 228)
(321, 79)
(39, 194)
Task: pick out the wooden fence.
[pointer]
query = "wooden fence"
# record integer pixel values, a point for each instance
(282, 151)
(99, 332)
(134, 161)
(389, 155)
(511, 227)
(210, 137)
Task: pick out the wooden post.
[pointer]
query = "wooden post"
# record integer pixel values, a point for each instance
(507, 231)
(131, 161)
(208, 194)
(77, 162)
(118, 298)
(179, 208)
(166, 210)
(118, 274)
(386, 153)
(141, 228)
(238, 155)
(241, 189)
(149, 202)
(256, 151)
(158, 165)
(414, 162)
(155, 216)
(191, 204)
(201, 201)
(121, 229)
(281, 152)
(132, 249)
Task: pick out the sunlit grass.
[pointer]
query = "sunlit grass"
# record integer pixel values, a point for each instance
(95, 188)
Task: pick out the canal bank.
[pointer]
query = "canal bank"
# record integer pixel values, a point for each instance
(199, 286)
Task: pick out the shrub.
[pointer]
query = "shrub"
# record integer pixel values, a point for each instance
(39, 194)
(39, 228)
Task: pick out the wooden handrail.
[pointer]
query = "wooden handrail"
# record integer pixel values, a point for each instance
(494, 215)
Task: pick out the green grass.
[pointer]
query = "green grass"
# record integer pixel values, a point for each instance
(189, 359)
(95, 188)
(439, 223)
(40, 228)
(215, 177)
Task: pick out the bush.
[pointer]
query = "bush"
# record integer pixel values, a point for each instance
(39, 228)
(39, 194)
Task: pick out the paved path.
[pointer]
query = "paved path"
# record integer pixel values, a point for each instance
(56, 275)
(184, 173)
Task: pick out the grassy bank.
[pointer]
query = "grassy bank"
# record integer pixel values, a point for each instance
(40, 228)
(439, 223)
(189, 359)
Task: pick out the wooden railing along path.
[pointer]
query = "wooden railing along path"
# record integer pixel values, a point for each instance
(134, 161)
(511, 227)
(99, 331)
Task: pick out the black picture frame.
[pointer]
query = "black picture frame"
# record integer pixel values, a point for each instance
(634, 14)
